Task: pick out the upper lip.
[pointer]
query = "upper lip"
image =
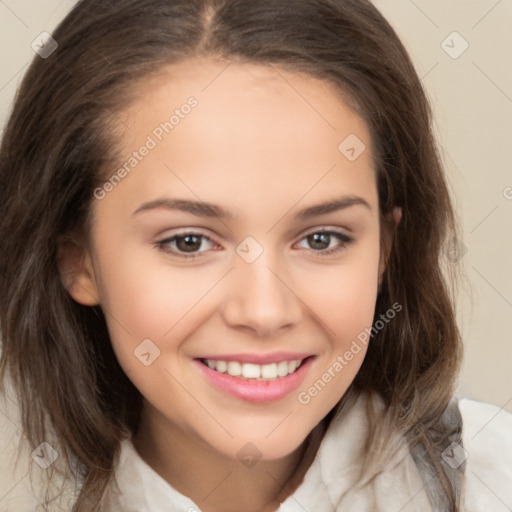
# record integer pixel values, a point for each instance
(260, 359)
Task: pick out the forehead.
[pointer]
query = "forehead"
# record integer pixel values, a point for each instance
(256, 131)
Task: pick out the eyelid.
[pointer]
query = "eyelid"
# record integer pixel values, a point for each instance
(326, 228)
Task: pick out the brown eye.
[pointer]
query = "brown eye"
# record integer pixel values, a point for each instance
(320, 242)
(188, 243)
(184, 245)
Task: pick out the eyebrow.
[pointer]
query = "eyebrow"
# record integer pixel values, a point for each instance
(202, 209)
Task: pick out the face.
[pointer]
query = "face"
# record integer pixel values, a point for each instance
(212, 247)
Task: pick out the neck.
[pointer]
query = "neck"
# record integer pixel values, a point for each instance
(216, 482)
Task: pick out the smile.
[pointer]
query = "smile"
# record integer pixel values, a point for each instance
(252, 382)
(266, 372)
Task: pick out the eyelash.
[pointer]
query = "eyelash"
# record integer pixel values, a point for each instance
(163, 245)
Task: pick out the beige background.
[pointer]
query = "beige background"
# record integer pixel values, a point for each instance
(472, 96)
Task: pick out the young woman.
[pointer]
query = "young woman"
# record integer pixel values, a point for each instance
(222, 279)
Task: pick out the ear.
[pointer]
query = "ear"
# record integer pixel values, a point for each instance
(77, 271)
(388, 242)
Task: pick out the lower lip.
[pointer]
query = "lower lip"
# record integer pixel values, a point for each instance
(254, 390)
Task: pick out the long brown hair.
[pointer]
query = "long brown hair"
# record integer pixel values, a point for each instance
(60, 140)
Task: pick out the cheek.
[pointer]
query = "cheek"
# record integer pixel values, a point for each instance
(344, 295)
(343, 298)
(143, 300)
(146, 295)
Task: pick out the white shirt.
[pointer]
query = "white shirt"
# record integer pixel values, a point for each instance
(329, 483)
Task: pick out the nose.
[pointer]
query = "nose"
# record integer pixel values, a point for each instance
(261, 299)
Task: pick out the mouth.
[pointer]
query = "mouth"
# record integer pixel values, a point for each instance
(251, 382)
(256, 372)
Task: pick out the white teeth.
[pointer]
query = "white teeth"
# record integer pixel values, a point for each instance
(270, 371)
(222, 366)
(282, 369)
(234, 368)
(251, 371)
(292, 366)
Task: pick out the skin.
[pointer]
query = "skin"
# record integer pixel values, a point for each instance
(262, 143)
